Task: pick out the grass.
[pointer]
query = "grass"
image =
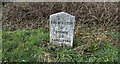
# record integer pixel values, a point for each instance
(33, 45)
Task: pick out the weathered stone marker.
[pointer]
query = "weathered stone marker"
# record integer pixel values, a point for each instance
(62, 28)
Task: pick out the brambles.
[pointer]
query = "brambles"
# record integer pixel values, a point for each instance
(96, 37)
(36, 15)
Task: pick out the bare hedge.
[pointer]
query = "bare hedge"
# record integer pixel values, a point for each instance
(36, 15)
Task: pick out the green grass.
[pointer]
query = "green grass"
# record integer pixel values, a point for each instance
(33, 45)
(114, 35)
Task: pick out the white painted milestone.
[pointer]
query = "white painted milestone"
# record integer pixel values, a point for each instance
(62, 28)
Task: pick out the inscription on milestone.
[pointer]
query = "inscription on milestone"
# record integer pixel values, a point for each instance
(62, 28)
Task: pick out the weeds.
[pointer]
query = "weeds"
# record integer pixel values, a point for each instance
(32, 46)
(107, 53)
